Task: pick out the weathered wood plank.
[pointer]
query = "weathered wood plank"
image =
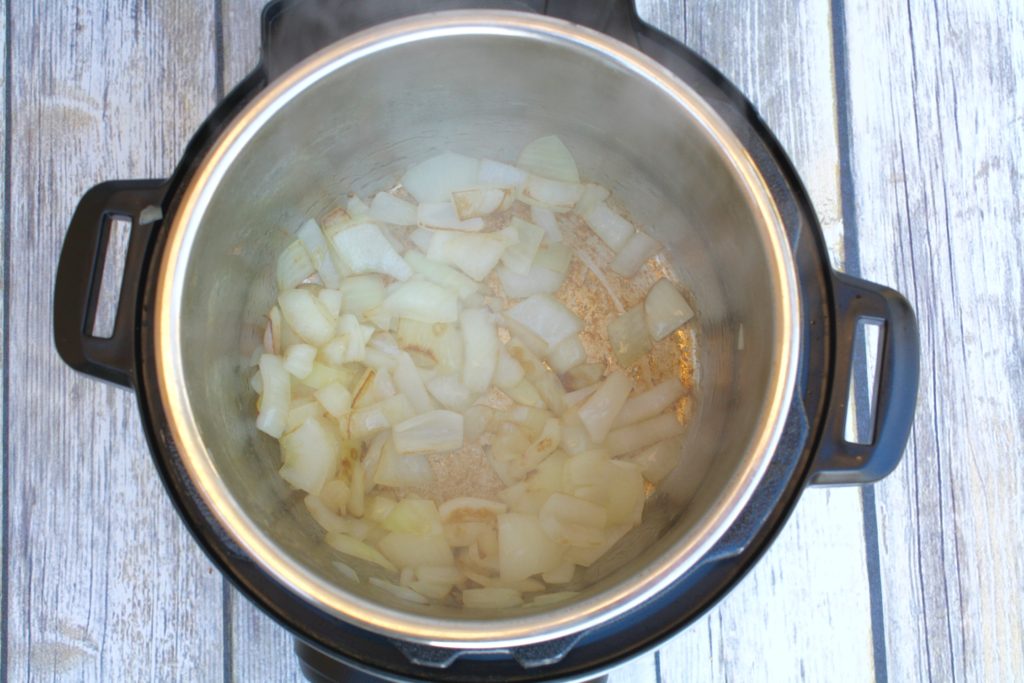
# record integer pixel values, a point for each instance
(104, 581)
(4, 386)
(804, 611)
(936, 138)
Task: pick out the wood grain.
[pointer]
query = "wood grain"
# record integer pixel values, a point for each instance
(803, 613)
(936, 132)
(4, 339)
(104, 582)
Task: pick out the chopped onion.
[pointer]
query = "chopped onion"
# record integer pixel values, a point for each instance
(548, 157)
(293, 266)
(509, 372)
(298, 360)
(491, 598)
(319, 253)
(444, 215)
(424, 302)
(410, 550)
(353, 547)
(666, 309)
(498, 174)
(637, 249)
(442, 275)
(643, 434)
(525, 394)
(519, 256)
(417, 516)
(588, 556)
(478, 201)
(402, 470)
(545, 218)
(556, 257)
(436, 178)
(335, 495)
(573, 521)
(357, 208)
(331, 521)
(450, 392)
(613, 229)
(334, 219)
(657, 461)
(574, 398)
(331, 299)
(409, 382)
(387, 208)
(437, 430)
(592, 195)
(400, 592)
(322, 375)
(469, 509)
(567, 354)
(348, 572)
(360, 293)
(523, 547)
(547, 478)
(651, 402)
(300, 412)
(307, 316)
(553, 194)
(431, 344)
(273, 404)
(480, 347)
(379, 507)
(546, 317)
(310, 455)
(600, 276)
(357, 499)
(583, 376)
(599, 411)
(625, 501)
(522, 334)
(476, 421)
(475, 254)
(545, 381)
(420, 237)
(628, 337)
(365, 249)
(377, 417)
(336, 399)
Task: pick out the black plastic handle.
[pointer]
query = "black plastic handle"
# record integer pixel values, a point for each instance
(294, 29)
(80, 271)
(839, 461)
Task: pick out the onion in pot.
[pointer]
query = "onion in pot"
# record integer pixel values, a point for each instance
(364, 249)
(388, 208)
(666, 309)
(480, 344)
(548, 157)
(637, 249)
(436, 178)
(600, 410)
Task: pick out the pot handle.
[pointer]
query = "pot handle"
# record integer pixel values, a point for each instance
(80, 273)
(838, 460)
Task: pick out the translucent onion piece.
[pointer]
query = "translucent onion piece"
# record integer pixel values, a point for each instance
(556, 257)
(592, 195)
(420, 237)
(480, 348)
(310, 455)
(548, 157)
(347, 571)
(335, 398)
(545, 381)
(643, 434)
(416, 516)
(409, 382)
(628, 337)
(583, 376)
(625, 501)
(442, 275)
(525, 394)
(357, 208)
(431, 344)
(498, 174)
(523, 335)
(387, 208)
(567, 354)
(574, 398)
(478, 201)
(519, 257)
(436, 178)
(431, 432)
(320, 253)
(474, 254)
(523, 547)
(469, 509)
(651, 402)
(666, 309)
(298, 360)
(600, 410)
(588, 556)
(423, 301)
(293, 266)
(329, 520)
(657, 461)
(600, 276)
(335, 494)
(546, 317)
(613, 229)
(545, 218)
(331, 299)
(302, 411)
(273, 403)
(353, 547)
(402, 470)
(491, 598)
(444, 215)
(307, 316)
(360, 293)
(476, 421)
(400, 592)
(379, 507)
(365, 249)
(450, 392)
(637, 249)
(573, 521)
(553, 194)
(377, 417)
(410, 550)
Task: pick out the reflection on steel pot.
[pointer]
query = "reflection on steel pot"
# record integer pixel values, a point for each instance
(644, 116)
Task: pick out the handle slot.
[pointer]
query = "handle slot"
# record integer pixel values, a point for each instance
(862, 405)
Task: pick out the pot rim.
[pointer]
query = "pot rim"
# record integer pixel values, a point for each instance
(434, 630)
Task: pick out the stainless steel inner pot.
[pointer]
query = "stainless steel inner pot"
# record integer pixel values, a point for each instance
(351, 118)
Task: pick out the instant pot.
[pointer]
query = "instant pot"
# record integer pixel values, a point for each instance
(345, 96)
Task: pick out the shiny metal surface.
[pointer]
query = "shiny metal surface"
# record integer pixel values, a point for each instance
(351, 118)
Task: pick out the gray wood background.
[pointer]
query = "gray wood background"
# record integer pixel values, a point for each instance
(906, 121)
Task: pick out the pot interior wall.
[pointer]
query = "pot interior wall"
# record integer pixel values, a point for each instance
(358, 128)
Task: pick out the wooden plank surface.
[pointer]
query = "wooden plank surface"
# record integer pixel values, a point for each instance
(5, 85)
(104, 583)
(936, 134)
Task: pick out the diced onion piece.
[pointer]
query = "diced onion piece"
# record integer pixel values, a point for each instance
(523, 547)
(310, 455)
(436, 178)
(335, 495)
(331, 299)
(522, 334)
(331, 521)
(625, 501)
(575, 439)
(442, 275)
(498, 174)
(348, 572)
(519, 256)
(272, 337)
(379, 507)
(613, 229)
(553, 194)
(273, 403)
(469, 509)
(293, 266)
(307, 316)
(642, 434)
(574, 398)
(475, 254)
(637, 249)
(400, 592)
(409, 382)
(322, 375)
(588, 556)
(547, 478)
(600, 410)
(431, 344)
(480, 348)
(509, 372)
(335, 398)
(444, 215)
(450, 392)
(420, 237)
(365, 249)
(548, 157)
(567, 354)
(423, 301)
(416, 516)
(437, 430)
(546, 317)
(651, 402)
(387, 208)
(298, 360)
(336, 218)
(549, 439)
(666, 309)
(583, 376)
(556, 257)
(545, 381)
(357, 500)
(573, 521)
(657, 461)
(463, 534)
(628, 337)
(353, 547)
(525, 394)
(476, 421)
(545, 218)
(360, 293)
(377, 417)
(350, 345)
(491, 598)
(592, 195)
(411, 550)
(357, 208)
(301, 411)
(319, 253)
(478, 201)
(402, 470)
